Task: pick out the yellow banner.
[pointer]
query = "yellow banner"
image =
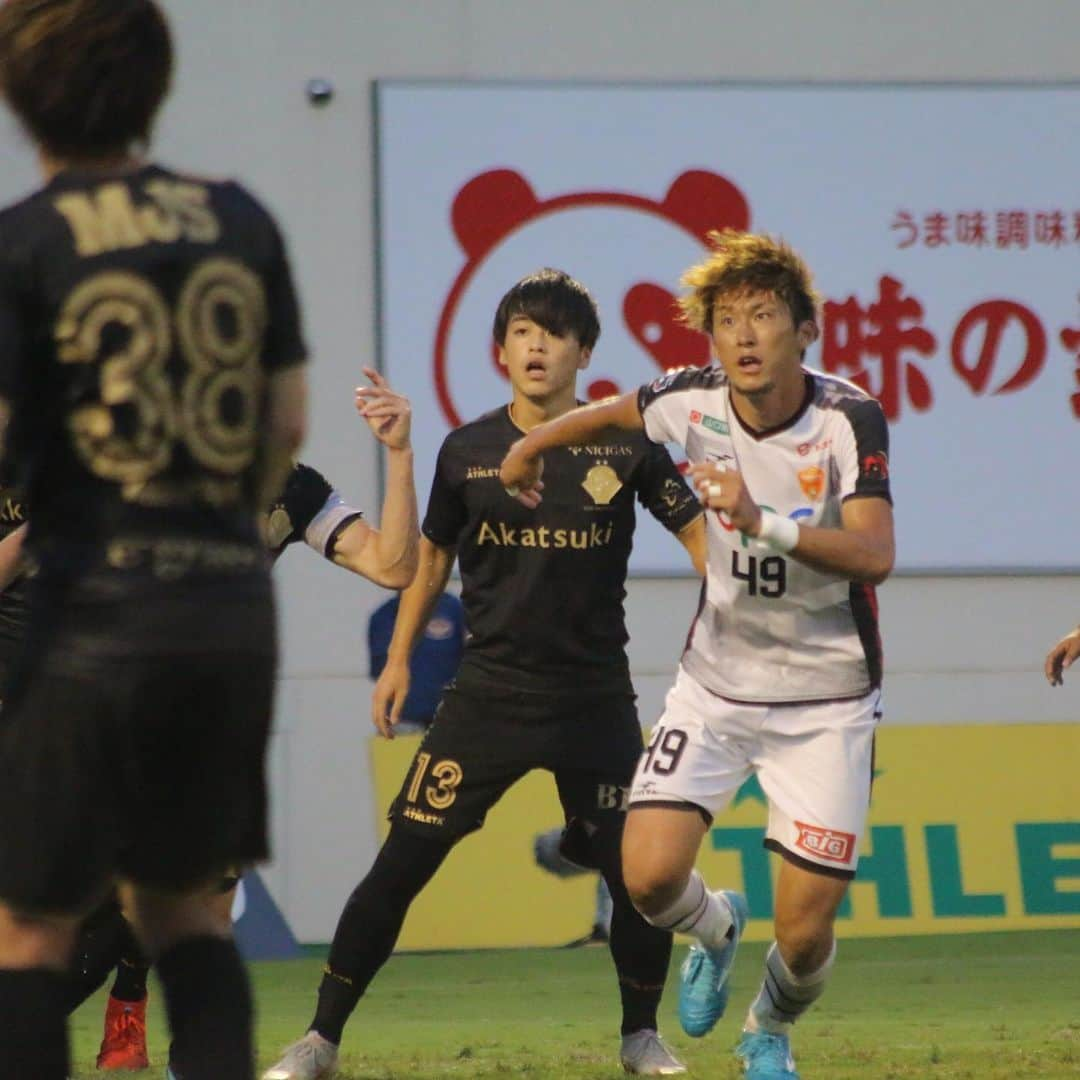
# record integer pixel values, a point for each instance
(972, 827)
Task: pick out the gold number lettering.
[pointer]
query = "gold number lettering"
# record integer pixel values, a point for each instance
(221, 316)
(122, 321)
(128, 429)
(421, 767)
(448, 774)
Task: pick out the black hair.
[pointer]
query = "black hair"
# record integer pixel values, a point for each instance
(553, 300)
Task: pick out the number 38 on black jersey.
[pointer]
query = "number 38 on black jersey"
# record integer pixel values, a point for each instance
(140, 314)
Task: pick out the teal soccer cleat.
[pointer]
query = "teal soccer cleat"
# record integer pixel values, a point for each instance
(703, 978)
(766, 1056)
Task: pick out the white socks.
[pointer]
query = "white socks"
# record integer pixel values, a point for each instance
(696, 912)
(784, 996)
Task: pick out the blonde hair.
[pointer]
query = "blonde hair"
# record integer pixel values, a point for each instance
(741, 262)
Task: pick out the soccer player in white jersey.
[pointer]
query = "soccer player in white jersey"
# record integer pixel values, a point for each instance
(782, 669)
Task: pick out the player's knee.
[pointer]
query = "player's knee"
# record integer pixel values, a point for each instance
(651, 886)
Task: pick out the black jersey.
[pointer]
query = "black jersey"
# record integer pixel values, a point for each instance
(13, 598)
(543, 589)
(140, 314)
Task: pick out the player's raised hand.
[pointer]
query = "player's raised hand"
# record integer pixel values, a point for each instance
(389, 415)
(388, 697)
(520, 476)
(1061, 656)
(725, 489)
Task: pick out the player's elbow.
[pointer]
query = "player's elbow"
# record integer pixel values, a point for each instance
(400, 575)
(877, 568)
(396, 570)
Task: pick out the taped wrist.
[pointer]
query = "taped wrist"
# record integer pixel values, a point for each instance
(780, 533)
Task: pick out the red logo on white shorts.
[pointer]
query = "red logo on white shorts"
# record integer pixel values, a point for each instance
(825, 843)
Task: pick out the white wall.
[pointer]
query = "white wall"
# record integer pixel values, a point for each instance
(960, 649)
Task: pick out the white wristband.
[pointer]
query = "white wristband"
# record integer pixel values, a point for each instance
(780, 533)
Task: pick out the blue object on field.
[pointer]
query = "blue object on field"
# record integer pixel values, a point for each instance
(259, 927)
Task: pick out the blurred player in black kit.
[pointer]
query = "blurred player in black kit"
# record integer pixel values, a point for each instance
(105, 940)
(152, 394)
(544, 681)
(309, 509)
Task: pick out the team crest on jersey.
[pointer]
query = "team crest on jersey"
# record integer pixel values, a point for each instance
(602, 482)
(812, 481)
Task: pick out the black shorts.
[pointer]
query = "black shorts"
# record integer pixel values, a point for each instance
(10, 650)
(482, 742)
(146, 768)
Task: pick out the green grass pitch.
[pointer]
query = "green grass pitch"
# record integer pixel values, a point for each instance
(1002, 1006)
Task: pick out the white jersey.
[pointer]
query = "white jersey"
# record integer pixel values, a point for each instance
(769, 628)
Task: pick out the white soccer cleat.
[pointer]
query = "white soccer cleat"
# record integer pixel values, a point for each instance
(312, 1058)
(644, 1053)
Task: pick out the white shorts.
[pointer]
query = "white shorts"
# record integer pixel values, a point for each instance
(814, 762)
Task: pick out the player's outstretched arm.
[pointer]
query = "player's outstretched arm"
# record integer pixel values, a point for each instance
(522, 466)
(414, 610)
(1061, 656)
(386, 555)
(11, 563)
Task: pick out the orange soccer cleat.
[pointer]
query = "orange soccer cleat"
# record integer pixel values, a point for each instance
(124, 1043)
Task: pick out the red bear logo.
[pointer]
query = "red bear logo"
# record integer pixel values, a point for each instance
(496, 204)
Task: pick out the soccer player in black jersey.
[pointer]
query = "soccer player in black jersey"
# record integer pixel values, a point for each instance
(151, 394)
(544, 681)
(105, 940)
(308, 509)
